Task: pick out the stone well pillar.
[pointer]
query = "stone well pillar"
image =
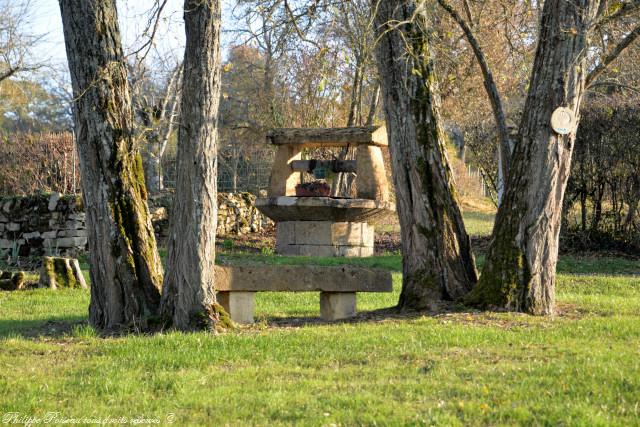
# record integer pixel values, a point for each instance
(324, 238)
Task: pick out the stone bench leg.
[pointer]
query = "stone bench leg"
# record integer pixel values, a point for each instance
(239, 305)
(337, 305)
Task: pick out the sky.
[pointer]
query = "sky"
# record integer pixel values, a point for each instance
(45, 19)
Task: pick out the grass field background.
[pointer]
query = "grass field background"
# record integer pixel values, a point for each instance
(454, 368)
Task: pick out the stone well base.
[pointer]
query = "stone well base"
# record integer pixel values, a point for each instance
(324, 238)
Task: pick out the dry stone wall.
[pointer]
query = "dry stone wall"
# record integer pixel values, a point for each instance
(52, 224)
(237, 213)
(41, 224)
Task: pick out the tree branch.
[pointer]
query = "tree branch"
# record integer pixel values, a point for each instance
(153, 24)
(489, 84)
(612, 56)
(615, 84)
(624, 10)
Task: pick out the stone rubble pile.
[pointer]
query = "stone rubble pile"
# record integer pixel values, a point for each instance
(237, 214)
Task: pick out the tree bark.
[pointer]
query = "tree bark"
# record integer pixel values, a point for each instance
(437, 260)
(126, 272)
(189, 289)
(520, 270)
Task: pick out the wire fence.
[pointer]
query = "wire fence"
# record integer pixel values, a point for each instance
(237, 171)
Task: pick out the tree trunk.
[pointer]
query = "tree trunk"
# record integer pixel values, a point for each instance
(633, 202)
(152, 171)
(520, 270)
(437, 260)
(189, 289)
(126, 273)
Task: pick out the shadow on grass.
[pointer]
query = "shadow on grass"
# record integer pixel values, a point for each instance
(448, 312)
(373, 316)
(52, 328)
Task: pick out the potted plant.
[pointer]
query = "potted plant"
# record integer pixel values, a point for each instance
(313, 189)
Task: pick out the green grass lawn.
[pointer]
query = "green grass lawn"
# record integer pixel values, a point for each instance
(461, 368)
(477, 223)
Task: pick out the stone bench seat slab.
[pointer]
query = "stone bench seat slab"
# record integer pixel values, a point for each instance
(237, 285)
(301, 278)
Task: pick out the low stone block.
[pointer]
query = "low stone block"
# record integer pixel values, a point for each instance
(349, 251)
(77, 217)
(34, 235)
(72, 233)
(368, 235)
(49, 234)
(286, 233)
(70, 242)
(366, 251)
(239, 305)
(317, 250)
(13, 226)
(313, 232)
(288, 250)
(337, 305)
(6, 244)
(346, 233)
(53, 201)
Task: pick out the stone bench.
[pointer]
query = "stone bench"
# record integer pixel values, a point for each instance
(237, 286)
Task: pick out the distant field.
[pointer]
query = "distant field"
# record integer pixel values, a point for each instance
(450, 369)
(478, 215)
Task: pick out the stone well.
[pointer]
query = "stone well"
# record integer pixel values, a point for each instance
(326, 226)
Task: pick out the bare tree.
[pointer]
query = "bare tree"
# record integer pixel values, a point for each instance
(126, 273)
(468, 21)
(520, 270)
(189, 297)
(355, 22)
(16, 43)
(505, 145)
(156, 109)
(436, 252)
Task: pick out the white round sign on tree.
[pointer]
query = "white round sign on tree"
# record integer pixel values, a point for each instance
(563, 121)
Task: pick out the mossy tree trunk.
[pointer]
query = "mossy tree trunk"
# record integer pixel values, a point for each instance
(437, 260)
(189, 288)
(520, 271)
(126, 273)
